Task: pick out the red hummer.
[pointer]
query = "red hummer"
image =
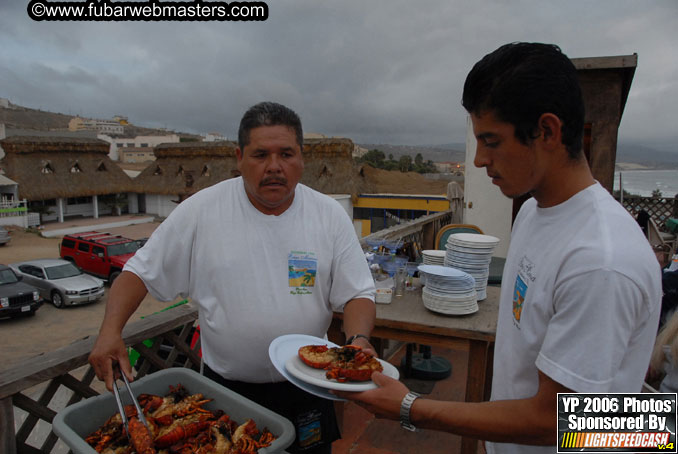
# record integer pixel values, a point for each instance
(98, 253)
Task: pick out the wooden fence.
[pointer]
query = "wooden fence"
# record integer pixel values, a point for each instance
(660, 209)
(55, 371)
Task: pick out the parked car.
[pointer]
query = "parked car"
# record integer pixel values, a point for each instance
(98, 253)
(16, 297)
(4, 236)
(60, 281)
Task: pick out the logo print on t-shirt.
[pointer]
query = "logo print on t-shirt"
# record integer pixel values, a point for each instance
(519, 292)
(302, 268)
(526, 275)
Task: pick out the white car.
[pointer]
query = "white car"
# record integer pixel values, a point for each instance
(60, 281)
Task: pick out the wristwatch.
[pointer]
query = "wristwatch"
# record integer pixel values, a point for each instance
(405, 407)
(350, 340)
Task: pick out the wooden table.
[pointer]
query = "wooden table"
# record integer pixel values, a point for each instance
(406, 319)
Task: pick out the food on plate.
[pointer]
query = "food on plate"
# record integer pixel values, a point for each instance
(178, 423)
(347, 363)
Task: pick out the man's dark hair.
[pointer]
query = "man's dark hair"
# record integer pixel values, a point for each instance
(521, 81)
(269, 114)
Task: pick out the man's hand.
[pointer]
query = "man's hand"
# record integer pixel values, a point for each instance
(109, 350)
(126, 294)
(384, 401)
(365, 345)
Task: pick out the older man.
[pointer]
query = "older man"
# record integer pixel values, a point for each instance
(230, 248)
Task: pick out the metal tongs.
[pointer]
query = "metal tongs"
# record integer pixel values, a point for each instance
(118, 400)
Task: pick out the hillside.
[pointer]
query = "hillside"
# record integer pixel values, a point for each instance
(24, 118)
(17, 117)
(395, 182)
(646, 156)
(435, 153)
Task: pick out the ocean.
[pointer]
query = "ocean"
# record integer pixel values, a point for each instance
(644, 182)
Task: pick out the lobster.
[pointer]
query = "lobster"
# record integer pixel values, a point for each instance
(140, 436)
(347, 363)
(181, 432)
(178, 425)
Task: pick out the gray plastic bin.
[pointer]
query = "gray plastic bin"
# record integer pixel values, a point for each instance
(75, 422)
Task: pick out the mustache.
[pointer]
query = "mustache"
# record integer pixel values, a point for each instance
(273, 180)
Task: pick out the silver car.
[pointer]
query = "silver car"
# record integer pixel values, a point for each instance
(60, 281)
(4, 236)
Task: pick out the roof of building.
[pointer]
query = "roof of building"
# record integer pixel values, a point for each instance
(185, 168)
(51, 167)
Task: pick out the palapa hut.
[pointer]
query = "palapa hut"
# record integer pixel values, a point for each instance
(329, 168)
(65, 176)
(181, 169)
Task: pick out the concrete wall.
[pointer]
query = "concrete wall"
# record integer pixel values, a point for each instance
(345, 201)
(160, 205)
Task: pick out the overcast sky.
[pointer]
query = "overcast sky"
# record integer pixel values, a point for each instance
(376, 71)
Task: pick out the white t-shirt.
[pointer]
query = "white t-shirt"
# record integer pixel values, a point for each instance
(254, 276)
(580, 301)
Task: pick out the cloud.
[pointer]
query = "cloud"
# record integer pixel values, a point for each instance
(386, 71)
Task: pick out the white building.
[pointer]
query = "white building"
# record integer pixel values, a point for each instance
(100, 126)
(138, 142)
(214, 137)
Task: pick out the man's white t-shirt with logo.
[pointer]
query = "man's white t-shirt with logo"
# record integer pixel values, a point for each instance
(254, 276)
(580, 301)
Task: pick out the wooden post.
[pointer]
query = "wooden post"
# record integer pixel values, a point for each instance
(428, 236)
(7, 435)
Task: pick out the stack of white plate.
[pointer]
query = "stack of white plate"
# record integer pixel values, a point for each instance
(448, 290)
(433, 257)
(472, 253)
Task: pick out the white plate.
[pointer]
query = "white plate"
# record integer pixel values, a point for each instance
(433, 252)
(287, 346)
(475, 238)
(444, 271)
(308, 374)
(284, 347)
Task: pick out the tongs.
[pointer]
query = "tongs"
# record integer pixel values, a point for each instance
(118, 400)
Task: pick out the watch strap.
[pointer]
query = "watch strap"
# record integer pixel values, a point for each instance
(405, 407)
(350, 340)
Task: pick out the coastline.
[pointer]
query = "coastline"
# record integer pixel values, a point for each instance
(623, 166)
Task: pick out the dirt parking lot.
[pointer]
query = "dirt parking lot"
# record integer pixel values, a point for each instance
(52, 328)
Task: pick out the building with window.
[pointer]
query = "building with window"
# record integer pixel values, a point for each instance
(65, 176)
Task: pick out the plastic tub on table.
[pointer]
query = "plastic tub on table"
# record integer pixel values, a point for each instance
(76, 421)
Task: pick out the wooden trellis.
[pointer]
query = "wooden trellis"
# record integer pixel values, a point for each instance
(170, 330)
(660, 209)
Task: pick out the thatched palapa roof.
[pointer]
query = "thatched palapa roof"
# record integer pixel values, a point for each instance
(51, 167)
(329, 167)
(185, 168)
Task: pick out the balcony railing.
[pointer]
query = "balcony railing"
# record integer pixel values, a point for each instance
(660, 209)
(66, 370)
(421, 231)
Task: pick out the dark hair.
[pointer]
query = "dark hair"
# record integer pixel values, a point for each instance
(521, 81)
(268, 114)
